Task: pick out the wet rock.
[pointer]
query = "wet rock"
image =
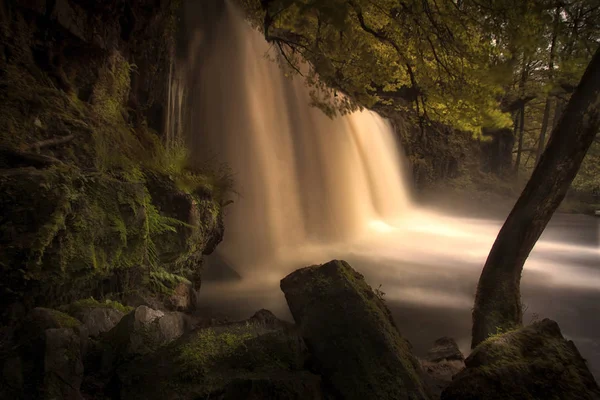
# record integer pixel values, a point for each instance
(444, 348)
(534, 362)
(351, 334)
(143, 331)
(259, 358)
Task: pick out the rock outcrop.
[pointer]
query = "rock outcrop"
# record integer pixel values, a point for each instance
(351, 335)
(534, 362)
(93, 201)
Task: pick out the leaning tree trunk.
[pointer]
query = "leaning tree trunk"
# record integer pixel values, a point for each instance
(498, 298)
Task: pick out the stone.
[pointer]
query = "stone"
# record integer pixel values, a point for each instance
(442, 362)
(444, 348)
(140, 332)
(351, 335)
(533, 362)
(47, 360)
(63, 365)
(259, 358)
(99, 320)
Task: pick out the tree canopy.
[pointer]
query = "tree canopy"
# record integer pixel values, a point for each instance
(456, 62)
(468, 64)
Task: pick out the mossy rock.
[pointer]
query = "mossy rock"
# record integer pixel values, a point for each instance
(350, 332)
(91, 303)
(98, 317)
(236, 358)
(531, 363)
(63, 231)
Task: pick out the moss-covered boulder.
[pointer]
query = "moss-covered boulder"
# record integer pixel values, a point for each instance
(351, 334)
(531, 363)
(97, 317)
(261, 357)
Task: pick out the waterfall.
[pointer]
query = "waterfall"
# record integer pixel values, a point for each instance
(301, 176)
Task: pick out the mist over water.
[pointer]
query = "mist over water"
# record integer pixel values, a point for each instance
(312, 189)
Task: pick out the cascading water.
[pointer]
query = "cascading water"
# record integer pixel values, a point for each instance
(301, 176)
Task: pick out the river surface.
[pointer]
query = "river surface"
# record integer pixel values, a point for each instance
(428, 265)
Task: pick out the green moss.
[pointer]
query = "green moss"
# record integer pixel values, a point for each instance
(64, 320)
(534, 362)
(216, 354)
(90, 303)
(207, 347)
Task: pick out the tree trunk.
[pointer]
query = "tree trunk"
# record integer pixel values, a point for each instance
(524, 73)
(520, 145)
(498, 298)
(542, 139)
(545, 119)
(558, 109)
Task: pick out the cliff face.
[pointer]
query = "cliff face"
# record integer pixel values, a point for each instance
(92, 201)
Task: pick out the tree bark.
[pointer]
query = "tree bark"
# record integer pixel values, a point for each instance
(498, 298)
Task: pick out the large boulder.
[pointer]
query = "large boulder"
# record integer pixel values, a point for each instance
(97, 317)
(259, 358)
(63, 364)
(351, 334)
(140, 332)
(45, 361)
(534, 362)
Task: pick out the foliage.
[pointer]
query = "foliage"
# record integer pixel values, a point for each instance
(163, 282)
(467, 64)
(431, 56)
